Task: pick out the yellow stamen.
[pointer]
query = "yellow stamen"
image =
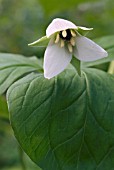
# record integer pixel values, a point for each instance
(70, 48)
(73, 33)
(62, 43)
(64, 33)
(57, 39)
(72, 41)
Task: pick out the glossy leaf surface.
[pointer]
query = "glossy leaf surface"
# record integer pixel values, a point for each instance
(66, 123)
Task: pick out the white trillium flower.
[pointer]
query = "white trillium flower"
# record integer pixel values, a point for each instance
(65, 42)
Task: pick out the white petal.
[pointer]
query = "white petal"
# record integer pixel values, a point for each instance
(59, 25)
(87, 50)
(56, 60)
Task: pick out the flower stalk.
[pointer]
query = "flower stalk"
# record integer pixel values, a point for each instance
(76, 64)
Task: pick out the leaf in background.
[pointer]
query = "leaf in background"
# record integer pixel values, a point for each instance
(13, 66)
(101, 61)
(3, 108)
(66, 123)
(106, 42)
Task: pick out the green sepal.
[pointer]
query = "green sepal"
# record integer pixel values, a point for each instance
(42, 42)
(76, 63)
(83, 30)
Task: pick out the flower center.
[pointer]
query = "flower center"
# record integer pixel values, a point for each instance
(66, 37)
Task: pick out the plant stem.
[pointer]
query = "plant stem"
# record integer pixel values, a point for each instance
(111, 68)
(76, 63)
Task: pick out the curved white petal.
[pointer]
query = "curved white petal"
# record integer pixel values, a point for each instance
(87, 50)
(56, 60)
(59, 25)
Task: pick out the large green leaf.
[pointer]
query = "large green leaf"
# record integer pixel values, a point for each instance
(66, 123)
(13, 66)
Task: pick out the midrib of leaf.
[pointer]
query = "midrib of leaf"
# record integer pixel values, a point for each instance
(55, 157)
(20, 65)
(54, 149)
(83, 127)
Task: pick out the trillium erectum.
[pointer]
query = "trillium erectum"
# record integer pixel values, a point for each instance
(63, 40)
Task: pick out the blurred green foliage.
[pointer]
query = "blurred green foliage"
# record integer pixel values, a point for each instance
(10, 153)
(3, 108)
(57, 5)
(24, 21)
